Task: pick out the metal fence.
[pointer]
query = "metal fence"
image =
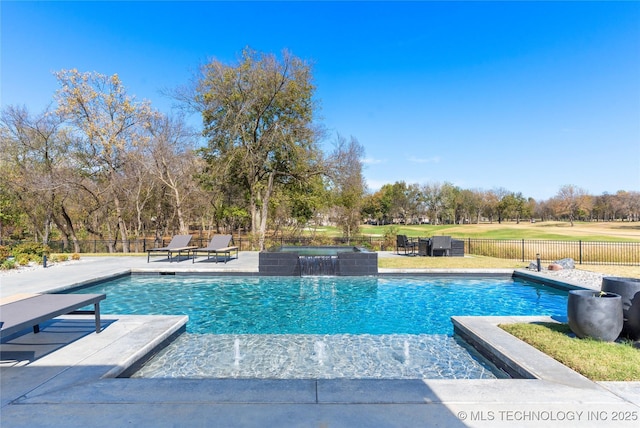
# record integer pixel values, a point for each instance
(582, 252)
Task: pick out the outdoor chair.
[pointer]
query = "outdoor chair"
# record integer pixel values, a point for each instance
(440, 243)
(179, 243)
(219, 244)
(402, 242)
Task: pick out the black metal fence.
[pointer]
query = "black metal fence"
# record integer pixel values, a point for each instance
(583, 252)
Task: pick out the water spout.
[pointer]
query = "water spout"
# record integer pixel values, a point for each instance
(236, 349)
(318, 265)
(319, 350)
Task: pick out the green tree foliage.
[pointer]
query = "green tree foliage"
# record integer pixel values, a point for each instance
(257, 116)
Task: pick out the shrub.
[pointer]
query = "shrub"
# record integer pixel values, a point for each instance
(8, 264)
(33, 248)
(53, 258)
(75, 256)
(321, 240)
(23, 259)
(4, 253)
(390, 237)
(63, 257)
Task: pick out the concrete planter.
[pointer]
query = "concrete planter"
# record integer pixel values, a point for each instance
(595, 315)
(629, 289)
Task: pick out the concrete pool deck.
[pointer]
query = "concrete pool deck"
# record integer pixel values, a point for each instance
(65, 375)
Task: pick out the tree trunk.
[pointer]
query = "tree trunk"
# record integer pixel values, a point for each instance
(110, 240)
(71, 230)
(253, 208)
(264, 212)
(63, 232)
(121, 225)
(181, 223)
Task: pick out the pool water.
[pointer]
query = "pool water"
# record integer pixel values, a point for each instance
(325, 305)
(323, 327)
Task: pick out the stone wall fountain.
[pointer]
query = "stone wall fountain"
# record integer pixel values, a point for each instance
(318, 260)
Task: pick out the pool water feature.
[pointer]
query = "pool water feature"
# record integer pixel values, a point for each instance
(379, 327)
(317, 260)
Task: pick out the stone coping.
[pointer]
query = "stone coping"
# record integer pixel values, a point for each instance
(517, 358)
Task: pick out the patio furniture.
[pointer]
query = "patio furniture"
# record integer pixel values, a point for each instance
(403, 242)
(457, 248)
(178, 244)
(423, 247)
(219, 244)
(440, 243)
(32, 311)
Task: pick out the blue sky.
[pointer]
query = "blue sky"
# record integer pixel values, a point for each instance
(525, 96)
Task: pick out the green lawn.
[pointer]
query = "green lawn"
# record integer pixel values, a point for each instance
(596, 360)
(558, 231)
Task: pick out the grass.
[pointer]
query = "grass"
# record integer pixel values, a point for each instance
(467, 262)
(482, 262)
(550, 230)
(594, 359)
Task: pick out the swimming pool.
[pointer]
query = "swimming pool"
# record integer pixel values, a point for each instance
(386, 327)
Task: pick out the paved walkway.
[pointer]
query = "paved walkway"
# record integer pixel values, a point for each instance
(64, 376)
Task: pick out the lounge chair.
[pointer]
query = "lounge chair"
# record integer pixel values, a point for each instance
(178, 244)
(32, 311)
(219, 244)
(441, 243)
(403, 242)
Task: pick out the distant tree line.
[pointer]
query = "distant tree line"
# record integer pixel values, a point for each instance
(444, 203)
(98, 164)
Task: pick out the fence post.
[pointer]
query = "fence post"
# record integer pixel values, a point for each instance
(580, 250)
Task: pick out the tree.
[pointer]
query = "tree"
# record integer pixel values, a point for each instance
(172, 162)
(432, 197)
(257, 117)
(504, 203)
(373, 209)
(470, 205)
(348, 185)
(37, 169)
(450, 195)
(571, 200)
(109, 125)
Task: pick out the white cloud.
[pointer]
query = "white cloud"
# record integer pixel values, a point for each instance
(434, 159)
(372, 161)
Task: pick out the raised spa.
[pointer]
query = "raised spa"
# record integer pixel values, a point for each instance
(318, 260)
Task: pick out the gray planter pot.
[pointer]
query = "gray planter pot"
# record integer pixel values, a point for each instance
(629, 290)
(593, 315)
